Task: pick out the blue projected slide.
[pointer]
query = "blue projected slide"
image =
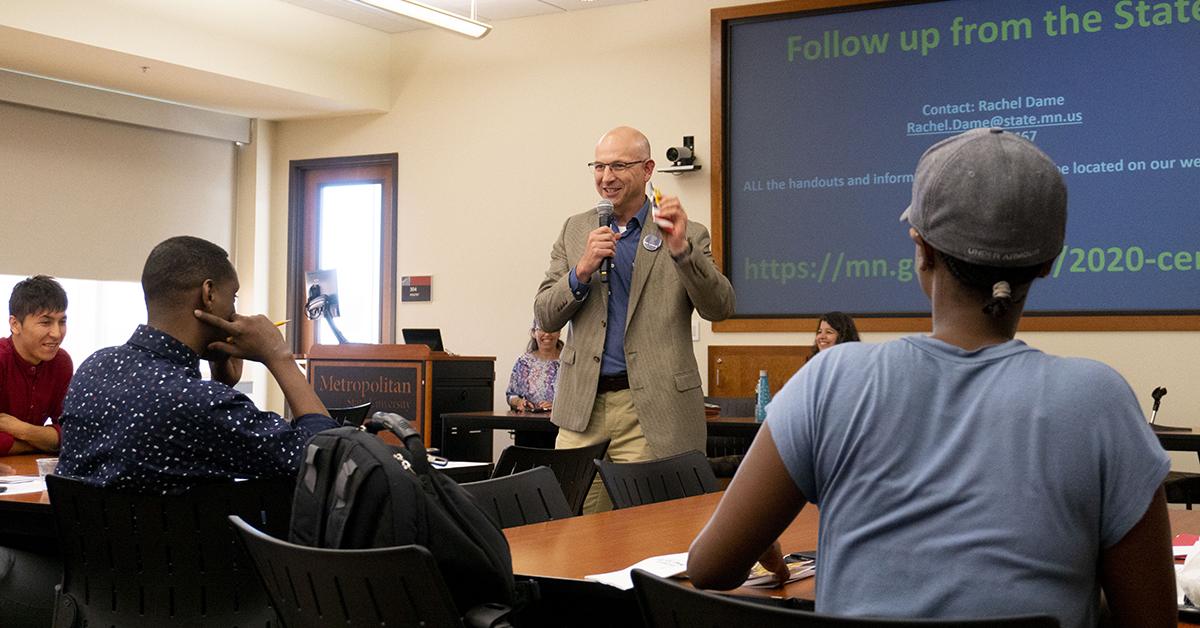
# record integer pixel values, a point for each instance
(827, 114)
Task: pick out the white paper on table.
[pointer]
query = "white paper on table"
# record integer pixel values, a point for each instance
(461, 464)
(1185, 551)
(665, 566)
(1187, 579)
(21, 484)
(1178, 588)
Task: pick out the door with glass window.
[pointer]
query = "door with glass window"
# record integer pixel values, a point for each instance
(343, 219)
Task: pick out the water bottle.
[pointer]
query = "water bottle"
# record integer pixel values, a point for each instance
(762, 396)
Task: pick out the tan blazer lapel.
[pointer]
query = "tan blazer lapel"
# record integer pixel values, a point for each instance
(643, 263)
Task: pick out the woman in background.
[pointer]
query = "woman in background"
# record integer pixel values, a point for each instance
(834, 329)
(531, 385)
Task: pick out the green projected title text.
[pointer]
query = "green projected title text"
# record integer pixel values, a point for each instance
(1126, 14)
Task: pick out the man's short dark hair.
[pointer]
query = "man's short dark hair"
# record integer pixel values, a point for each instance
(39, 293)
(181, 264)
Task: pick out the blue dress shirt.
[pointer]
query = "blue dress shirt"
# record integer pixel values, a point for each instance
(620, 278)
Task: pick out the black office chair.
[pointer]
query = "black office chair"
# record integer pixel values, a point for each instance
(531, 496)
(351, 415)
(572, 467)
(635, 483)
(315, 587)
(137, 561)
(667, 604)
(725, 453)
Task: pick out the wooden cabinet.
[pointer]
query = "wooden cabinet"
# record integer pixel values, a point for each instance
(733, 369)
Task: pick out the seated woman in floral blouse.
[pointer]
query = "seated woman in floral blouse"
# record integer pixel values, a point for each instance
(531, 385)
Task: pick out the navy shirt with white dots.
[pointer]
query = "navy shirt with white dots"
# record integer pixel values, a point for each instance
(139, 417)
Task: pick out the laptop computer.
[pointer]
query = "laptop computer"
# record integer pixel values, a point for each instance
(430, 337)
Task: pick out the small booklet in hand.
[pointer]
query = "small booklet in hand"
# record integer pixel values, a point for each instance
(799, 568)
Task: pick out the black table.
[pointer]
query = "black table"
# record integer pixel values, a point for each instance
(1179, 441)
(534, 429)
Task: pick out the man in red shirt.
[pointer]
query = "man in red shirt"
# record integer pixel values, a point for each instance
(34, 371)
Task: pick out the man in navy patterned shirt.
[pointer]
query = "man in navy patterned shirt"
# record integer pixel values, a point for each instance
(140, 417)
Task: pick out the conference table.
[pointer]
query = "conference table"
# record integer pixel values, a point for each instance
(25, 519)
(558, 554)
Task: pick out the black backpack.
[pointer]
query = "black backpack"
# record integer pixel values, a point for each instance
(355, 491)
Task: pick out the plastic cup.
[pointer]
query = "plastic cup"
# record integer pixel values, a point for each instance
(46, 466)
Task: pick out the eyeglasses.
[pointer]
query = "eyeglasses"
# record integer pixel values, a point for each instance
(617, 166)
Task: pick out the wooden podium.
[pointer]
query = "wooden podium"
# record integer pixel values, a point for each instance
(410, 380)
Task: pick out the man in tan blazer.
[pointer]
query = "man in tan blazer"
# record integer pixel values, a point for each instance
(627, 371)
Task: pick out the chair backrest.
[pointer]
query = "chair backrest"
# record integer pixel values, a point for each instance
(316, 587)
(531, 496)
(636, 483)
(136, 560)
(572, 467)
(351, 415)
(666, 604)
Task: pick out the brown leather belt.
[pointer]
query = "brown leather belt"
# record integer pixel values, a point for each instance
(612, 383)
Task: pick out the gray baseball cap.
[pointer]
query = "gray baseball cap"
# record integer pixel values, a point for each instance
(991, 198)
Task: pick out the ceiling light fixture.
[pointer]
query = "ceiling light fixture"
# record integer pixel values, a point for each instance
(463, 25)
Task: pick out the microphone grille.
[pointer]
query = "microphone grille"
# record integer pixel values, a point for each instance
(604, 208)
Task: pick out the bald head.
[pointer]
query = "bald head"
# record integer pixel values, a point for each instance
(625, 139)
(630, 151)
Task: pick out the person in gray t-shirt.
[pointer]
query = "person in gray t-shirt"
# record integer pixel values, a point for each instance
(961, 474)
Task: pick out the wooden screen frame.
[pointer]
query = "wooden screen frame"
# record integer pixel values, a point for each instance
(1032, 322)
(303, 179)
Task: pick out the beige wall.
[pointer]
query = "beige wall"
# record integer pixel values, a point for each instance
(493, 136)
(87, 198)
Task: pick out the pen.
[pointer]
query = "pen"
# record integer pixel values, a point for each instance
(656, 199)
(277, 324)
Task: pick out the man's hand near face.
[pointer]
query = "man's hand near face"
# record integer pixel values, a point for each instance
(225, 369)
(257, 338)
(247, 337)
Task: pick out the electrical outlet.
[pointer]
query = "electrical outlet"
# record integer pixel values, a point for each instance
(695, 330)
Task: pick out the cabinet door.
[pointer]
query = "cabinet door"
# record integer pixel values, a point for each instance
(733, 369)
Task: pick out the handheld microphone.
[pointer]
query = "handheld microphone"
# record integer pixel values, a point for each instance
(604, 214)
(1157, 395)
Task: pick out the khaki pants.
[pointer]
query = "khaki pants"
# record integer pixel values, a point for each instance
(614, 418)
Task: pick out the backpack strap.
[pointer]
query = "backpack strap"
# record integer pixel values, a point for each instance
(403, 430)
(488, 615)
